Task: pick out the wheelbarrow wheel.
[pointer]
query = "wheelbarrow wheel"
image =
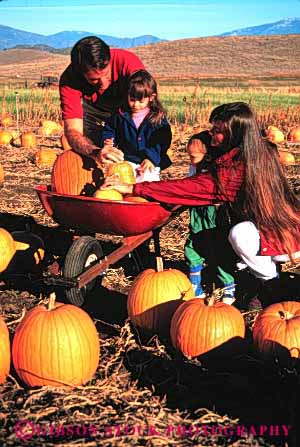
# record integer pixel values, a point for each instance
(83, 253)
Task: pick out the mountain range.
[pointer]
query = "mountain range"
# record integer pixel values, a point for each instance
(286, 26)
(12, 37)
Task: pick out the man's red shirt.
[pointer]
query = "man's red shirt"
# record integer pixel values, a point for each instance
(74, 88)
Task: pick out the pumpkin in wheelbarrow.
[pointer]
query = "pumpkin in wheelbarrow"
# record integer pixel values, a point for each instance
(154, 297)
(75, 174)
(124, 170)
(108, 194)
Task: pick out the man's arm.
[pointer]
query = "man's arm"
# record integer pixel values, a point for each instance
(73, 129)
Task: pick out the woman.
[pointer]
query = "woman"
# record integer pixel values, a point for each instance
(247, 173)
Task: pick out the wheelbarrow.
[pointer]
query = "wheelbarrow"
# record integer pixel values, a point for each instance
(84, 262)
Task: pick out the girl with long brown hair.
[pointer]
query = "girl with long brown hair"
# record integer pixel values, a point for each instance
(247, 174)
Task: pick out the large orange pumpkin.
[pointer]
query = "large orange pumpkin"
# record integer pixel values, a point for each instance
(276, 329)
(4, 351)
(5, 137)
(124, 170)
(200, 326)
(8, 248)
(155, 295)
(286, 158)
(75, 174)
(58, 346)
(45, 157)
(294, 135)
(28, 140)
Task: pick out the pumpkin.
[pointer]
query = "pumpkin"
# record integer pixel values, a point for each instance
(155, 295)
(6, 120)
(30, 259)
(108, 194)
(75, 174)
(4, 351)
(28, 140)
(8, 248)
(276, 329)
(124, 170)
(1, 175)
(294, 135)
(64, 142)
(130, 198)
(57, 346)
(5, 137)
(286, 158)
(50, 128)
(274, 134)
(45, 157)
(170, 153)
(200, 326)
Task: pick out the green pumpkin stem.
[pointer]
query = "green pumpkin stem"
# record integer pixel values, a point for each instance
(210, 300)
(159, 264)
(51, 303)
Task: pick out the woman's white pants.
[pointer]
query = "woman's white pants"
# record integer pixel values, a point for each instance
(245, 241)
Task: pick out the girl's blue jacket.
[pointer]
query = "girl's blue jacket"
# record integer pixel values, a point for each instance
(148, 141)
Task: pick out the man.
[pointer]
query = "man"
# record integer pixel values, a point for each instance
(92, 88)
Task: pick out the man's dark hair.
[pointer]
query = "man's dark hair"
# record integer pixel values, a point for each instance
(90, 53)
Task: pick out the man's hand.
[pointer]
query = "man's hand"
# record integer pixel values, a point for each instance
(110, 154)
(113, 182)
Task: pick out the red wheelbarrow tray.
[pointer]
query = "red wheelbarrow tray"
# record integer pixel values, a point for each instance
(89, 214)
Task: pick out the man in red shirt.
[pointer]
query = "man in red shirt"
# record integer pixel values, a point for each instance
(91, 89)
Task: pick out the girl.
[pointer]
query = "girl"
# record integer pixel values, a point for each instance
(248, 175)
(203, 233)
(141, 129)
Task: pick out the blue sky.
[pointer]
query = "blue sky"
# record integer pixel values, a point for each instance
(166, 19)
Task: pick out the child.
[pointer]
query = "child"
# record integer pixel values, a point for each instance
(201, 151)
(141, 129)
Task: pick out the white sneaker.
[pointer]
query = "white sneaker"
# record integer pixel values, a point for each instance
(228, 300)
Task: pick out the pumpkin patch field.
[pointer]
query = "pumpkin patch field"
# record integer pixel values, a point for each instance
(124, 371)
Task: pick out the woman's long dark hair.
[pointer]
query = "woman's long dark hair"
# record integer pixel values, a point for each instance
(268, 199)
(142, 85)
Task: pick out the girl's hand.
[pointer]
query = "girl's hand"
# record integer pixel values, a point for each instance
(146, 165)
(113, 182)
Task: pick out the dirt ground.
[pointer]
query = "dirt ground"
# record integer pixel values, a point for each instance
(143, 393)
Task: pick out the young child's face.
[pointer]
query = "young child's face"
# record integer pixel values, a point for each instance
(138, 104)
(218, 133)
(196, 150)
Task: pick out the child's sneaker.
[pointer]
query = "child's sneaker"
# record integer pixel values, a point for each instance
(228, 295)
(228, 299)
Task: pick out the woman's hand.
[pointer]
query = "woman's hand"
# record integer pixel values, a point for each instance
(113, 182)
